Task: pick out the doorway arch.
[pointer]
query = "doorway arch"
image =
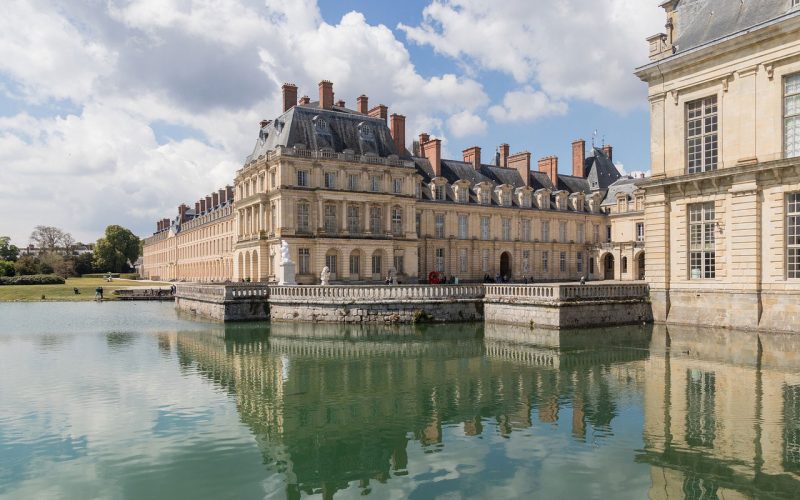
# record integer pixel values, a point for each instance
(505, 265)
(608, 267)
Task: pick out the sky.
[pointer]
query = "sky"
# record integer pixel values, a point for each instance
(117, 111)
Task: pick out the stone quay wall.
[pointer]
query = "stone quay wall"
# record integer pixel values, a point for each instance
(568, 305)
(228, 302)
(377, 304)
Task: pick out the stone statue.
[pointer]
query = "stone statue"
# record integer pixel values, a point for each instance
(325, 277)
(286, 267)
(285, 252)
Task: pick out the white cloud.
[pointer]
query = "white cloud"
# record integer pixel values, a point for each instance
(526, 105)
(583, 49)
(465, 124)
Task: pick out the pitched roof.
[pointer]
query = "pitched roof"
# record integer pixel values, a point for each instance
(626, 185)
(602, 172)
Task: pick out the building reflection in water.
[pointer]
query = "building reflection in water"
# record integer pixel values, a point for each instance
(334, 406)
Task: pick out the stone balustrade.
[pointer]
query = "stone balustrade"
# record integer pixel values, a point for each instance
(376, 293)
(565, 292)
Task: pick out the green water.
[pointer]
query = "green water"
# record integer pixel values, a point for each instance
(127, 400)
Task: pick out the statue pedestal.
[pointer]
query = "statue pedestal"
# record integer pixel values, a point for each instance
(286, 273)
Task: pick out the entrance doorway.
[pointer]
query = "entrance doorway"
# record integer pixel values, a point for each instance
(505, 265)
(640, 266)
(608, 267)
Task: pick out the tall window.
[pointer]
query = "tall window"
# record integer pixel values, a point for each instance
(791, 115)
(462, 226)
(397, 186)
(580, 230)
(273, 218)
(374, 184)
(304, 258)
(506, 198)
(701, 135)
(506, 228)
(702, 260)
(562, 232)
(640, 231)
(608, 233)
(526, 229)
(330, 219)
(485, 260)
(330, 261)
(562, 262)
(397, 221)
(376, 264)
(438, 262)
(545, 231)
(485, 227)
(302, 178)
(793, 235)
(439, 225)
(353, 219)
(272, 180)
(441, 193)
(545, 261)
(484, 196)
(418, 221)
(352, 182)
(355, 264)
(579, 262)
(399, 264)
(596, 233)
(526, 261)
(330, 180)
(302, 217)
(375, 216)
(462, 260)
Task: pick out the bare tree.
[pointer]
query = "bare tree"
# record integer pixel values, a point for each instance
(50, 239)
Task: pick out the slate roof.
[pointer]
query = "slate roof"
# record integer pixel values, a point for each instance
(337, 128)
(702, 21)
(625, 185)
(601, 170)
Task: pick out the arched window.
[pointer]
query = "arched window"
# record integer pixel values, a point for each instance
(624, 265)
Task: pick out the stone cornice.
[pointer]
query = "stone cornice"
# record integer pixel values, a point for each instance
(716, 175)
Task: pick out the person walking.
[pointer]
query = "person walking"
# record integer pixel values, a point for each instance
(98, 293)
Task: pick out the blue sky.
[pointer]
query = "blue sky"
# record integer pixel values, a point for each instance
(116, 112)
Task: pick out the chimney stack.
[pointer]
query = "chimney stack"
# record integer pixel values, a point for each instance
(196, 208)
(182, 212)
(289, 96)
(158, 226)
(363, 104)
(433, 152)
(305, 100)
(398, 128)
(326, 94)
(209, 206)
(578, 156)
(214, 199)
(504, 150)
(229, 196)
(549, 165)
(521, 162)
(222, 198)
(473, 155)
(340, 103)
(609, 152)
(165, 223)
(423, 138)
(379, 111)
(264, 123)
(202, 205)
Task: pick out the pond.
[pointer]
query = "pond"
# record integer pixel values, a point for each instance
(129, 400)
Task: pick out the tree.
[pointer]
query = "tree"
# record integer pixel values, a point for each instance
(7, 250)
(55, 263)
(7, 268)
(50, 239)
(84, 263)
(26, 265)
(113, 251)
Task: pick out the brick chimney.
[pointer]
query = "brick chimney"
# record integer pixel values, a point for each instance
(209, 206)
(165, 223)
(158, 226)
(578, 155)
(379, 111)
(229, 197)
(398, 128)
(609, 152)
(433, 152)
(340, 103)
(182, 212)
(423, 138)
(305, 100)
(549, 165)
(214, 199)
(363, 104)
(473, 155)
(504, 151)
(222, 196)
(289, 96)
(264, 123)
(202, 205)
(326, 94)
(197, 208)
(521, 162)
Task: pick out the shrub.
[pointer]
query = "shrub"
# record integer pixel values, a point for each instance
(32, 279)
(7, 268)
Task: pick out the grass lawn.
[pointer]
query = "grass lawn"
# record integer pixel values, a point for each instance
(65, 292)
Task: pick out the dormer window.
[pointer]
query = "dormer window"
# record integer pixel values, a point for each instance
(366, 132)
(484, 196)
(505, 197)
(441, 193)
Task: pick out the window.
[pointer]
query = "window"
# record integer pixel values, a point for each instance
(397, 221)
(791, 114)
(302, 217)
(352, 182)
(330, 180)
(562, 262)
(439, 226)
(462, 226)
(438, 262)
(330, 261)
(579, 262)
(526, 229)
(462, 260)
(624, 265)
(580, 235)
(418, 190)
(526, 261)
(441, 193)
(353, 219)
(506, 198)
(484, 227)
(506, 229)
(701, 135)
(545, 231)
(272, 181)
(702, 260)
(273, 218)
(596, 233)
(419, 224)
(374, 184)
(591, 265)
(484, 196)
(302, 178)
(545, 261)
(304, 260)
(793, 235)
(640, 231)
(355, 264)
(608, 233)
(397, 186)
(485, 261)
(330, 219)
(376, 264)
(562, 232)
(375, 217)
(399, 264)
